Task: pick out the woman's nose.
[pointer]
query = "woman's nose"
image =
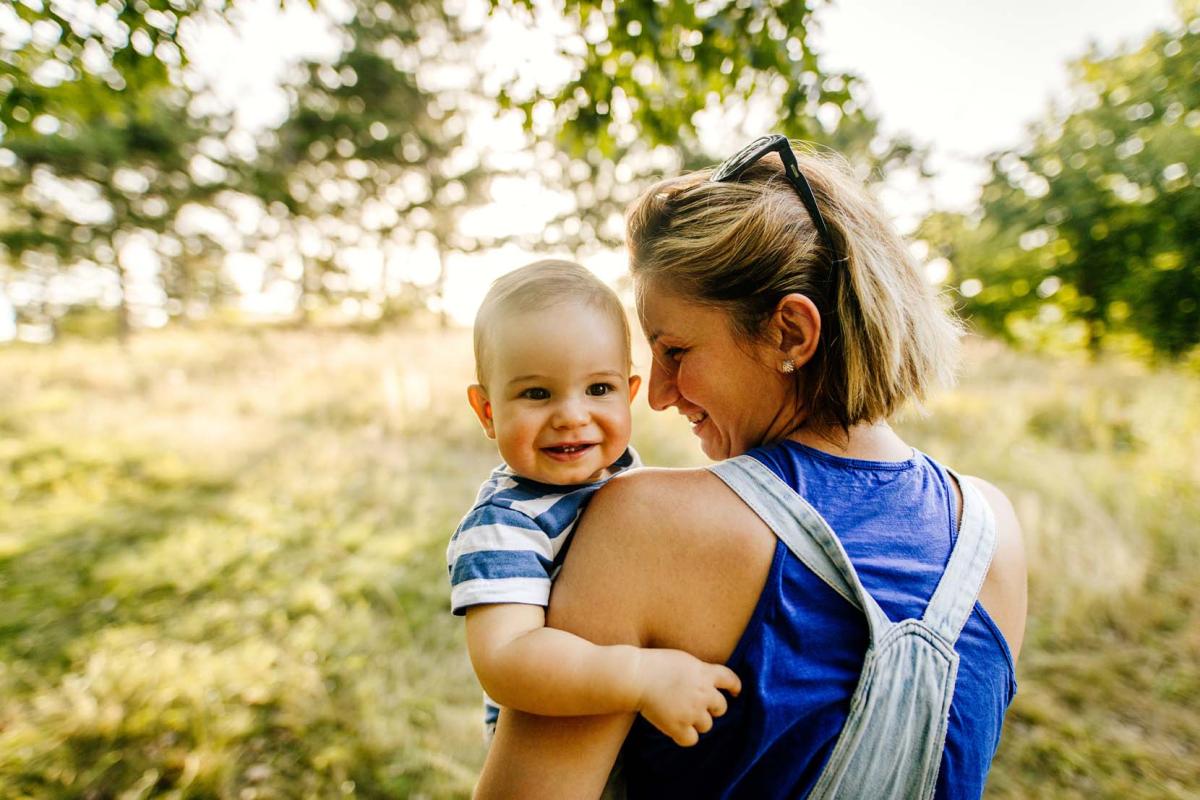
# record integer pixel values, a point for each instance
(662, 393)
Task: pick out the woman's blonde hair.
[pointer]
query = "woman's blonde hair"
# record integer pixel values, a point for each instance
(741, 246)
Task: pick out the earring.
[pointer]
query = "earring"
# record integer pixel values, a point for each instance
(788, 367)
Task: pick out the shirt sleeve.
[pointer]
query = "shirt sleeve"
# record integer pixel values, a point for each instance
(499, 555)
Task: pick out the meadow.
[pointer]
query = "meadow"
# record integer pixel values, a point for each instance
(222, 564)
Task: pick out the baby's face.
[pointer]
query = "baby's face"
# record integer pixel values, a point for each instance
(558, 393)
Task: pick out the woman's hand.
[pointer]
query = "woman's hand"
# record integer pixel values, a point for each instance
(682, 694)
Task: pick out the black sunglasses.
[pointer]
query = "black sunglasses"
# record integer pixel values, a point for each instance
(735, 165)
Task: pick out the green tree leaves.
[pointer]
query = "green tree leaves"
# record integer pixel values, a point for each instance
(379, 152)
(1089, 234)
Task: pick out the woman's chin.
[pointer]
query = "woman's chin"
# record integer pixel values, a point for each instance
(717, 451)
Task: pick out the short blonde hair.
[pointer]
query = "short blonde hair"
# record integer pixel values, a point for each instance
(542, 285)
(886, 335)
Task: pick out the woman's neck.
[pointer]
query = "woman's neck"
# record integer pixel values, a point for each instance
(869, 441)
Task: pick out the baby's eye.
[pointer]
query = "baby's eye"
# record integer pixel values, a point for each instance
(600, 389)
(535, 393)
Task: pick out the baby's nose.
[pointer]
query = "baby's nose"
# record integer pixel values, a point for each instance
(570, 413)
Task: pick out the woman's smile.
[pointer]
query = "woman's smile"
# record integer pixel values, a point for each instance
(723, 386)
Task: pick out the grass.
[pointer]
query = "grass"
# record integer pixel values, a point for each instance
(222, 565)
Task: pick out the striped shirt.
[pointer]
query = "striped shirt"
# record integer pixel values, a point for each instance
(508, 547)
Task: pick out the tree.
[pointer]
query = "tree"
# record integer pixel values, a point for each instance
(644, 72)
(60, 56)
(99, 146)
(380, 150)
(373, 151)
(1090, 230)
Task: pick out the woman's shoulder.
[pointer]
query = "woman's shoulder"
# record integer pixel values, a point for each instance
(685, 556)
(1004, 590)
(680, 506)
(647, 482)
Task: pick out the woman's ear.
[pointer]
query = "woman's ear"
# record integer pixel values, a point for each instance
(635, 383)
(477, 397)
(797, 324)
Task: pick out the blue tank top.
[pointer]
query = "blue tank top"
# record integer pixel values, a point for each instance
(802, 652)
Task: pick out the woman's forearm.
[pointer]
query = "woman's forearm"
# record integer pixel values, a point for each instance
(555, 758)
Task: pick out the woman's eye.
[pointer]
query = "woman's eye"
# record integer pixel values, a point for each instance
(535, 393)
(673, 353)
(600, 389)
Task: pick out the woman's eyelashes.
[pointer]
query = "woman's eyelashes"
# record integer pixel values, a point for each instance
(672, 355)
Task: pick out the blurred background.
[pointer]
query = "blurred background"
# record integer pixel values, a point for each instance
(240, 245)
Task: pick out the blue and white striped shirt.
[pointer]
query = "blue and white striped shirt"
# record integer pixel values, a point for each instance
(507, 547)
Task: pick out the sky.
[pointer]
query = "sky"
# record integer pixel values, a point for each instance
(966, 78)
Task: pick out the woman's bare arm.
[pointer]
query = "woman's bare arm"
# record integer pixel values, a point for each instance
(687, 579)
(1004, 590)
(551, 757)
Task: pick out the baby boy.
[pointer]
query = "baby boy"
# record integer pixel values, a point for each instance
(552, 357)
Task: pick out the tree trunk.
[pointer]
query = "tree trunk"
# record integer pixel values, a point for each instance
(440, 288)
(124, 316)
(303, 314)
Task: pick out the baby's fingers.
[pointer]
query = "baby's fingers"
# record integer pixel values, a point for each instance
(728, 680)
(686, 737)
(717, 705)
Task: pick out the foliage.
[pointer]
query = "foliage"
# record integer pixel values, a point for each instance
(1089, 232)
(655, 65)
(222, 564)
(68, 55)
(643, 73)
(106, 150)
(371, 155)
(100, 146)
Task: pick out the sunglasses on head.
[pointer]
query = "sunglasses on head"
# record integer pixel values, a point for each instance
(735, 165)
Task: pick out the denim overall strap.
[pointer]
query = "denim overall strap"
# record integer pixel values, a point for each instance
(956, 593)
(803, 530)
(892, 742)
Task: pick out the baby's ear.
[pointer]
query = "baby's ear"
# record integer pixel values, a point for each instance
(477, 397)
(635, 383)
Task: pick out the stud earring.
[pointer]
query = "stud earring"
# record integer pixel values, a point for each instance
(788, 367)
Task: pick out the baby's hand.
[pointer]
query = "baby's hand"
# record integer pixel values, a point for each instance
(681, 694)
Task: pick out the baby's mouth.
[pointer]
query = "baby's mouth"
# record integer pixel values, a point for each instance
(568, 452)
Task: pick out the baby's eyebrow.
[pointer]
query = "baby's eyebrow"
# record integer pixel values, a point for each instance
(523, 378)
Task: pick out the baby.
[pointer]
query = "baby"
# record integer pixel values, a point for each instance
(552, 357)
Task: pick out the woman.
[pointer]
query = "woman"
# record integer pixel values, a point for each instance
(788, 323)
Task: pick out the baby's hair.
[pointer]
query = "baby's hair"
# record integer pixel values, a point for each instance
(539, 286)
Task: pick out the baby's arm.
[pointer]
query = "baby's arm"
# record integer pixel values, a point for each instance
(523, 664)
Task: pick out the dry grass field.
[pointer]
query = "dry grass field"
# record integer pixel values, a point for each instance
(222, 565)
